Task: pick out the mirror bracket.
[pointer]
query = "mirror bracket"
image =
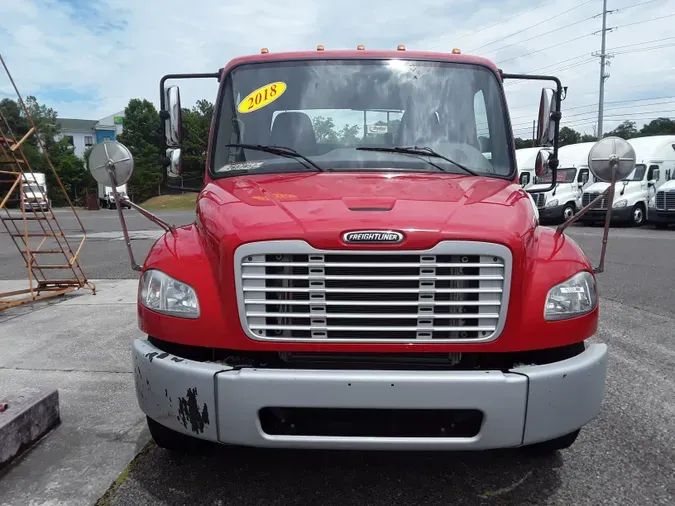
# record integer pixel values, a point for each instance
(556, 116)
(165, 114)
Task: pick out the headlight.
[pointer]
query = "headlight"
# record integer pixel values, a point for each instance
(552, 203)
(620, 203)
(163, 294)
(574, 297)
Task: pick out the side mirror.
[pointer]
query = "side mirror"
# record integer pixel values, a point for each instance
(545, 124)
(174, 168)
(173, 123)
(111, 163)
(651, 182)
(611, 159)
(524, 179)
(541, 167)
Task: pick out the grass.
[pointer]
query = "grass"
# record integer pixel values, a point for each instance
(109, 494)
(185, 202)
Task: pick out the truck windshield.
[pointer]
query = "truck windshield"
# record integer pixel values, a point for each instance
(326, 109)
(31, 188)
(638, 173)
(562, 176)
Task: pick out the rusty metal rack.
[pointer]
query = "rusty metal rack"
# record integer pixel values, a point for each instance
(51, 260)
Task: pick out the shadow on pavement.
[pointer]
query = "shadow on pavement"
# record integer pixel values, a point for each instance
(235, 476)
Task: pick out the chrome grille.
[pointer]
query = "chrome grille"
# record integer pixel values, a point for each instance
(587, 198)
(665, 200)
(540, 200)
(455, 292)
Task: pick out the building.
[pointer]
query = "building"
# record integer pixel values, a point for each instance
(83, 133)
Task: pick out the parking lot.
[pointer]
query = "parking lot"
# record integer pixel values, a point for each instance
(626, 456)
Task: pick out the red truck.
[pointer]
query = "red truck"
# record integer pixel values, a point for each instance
(389, 289)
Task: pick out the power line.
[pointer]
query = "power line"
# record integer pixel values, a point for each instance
(645, 21)
(668, 99)
(587, 113)
(578, 123)
(545, 48)
(536, 24)
(588, 54)
(492, 26)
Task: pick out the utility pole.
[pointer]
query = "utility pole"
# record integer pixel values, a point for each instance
(604, 62)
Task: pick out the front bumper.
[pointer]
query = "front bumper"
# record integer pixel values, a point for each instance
(620, 215)
(551, 213)
(661, 216)
(221, 404)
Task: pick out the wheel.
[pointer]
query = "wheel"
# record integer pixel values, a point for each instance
(637, 216)
(174, 441)
(569, 211)
(552, 446)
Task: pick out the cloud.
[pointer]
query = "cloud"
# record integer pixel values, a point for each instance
(88, 58)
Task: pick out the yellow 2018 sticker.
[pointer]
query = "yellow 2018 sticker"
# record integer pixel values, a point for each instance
(261, 97)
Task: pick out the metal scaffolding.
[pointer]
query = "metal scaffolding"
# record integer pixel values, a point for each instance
(51, 261)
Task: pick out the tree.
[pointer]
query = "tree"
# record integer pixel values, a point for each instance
(524, 143)
(349, 134)
(196, 127)
(71, 170)
(142, 135)
(659, 126)
(569, 136)
(625, 130)
(324, 129)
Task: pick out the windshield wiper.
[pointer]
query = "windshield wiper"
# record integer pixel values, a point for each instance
(422, 151)
(277, 150)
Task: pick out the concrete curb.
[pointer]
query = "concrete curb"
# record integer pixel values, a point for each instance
(29, 415)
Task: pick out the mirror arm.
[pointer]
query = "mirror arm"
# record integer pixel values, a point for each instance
(125, 231)
(562, 227)
(152, 217)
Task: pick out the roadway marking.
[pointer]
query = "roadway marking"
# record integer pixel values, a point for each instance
(134, 235)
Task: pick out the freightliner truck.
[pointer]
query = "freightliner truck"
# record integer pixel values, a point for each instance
(344, 294)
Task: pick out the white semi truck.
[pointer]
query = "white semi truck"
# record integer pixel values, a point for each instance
(525, 160)
(635, 194)
(106, 197)
(34, 190)
(573, 175)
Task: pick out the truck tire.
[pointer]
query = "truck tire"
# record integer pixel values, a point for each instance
(174, 441)
(637, 216)
(552, 446)
(568, 211)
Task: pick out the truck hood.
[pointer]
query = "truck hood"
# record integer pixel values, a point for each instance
(320, 207)
(600, 187)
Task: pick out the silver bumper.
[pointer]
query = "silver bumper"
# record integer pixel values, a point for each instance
(221, 404)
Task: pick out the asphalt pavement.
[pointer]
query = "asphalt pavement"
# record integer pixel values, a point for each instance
(626, 456)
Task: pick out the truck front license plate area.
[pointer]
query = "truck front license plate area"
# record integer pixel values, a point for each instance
(388, 423)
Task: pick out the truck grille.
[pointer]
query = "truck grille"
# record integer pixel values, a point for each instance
(540, 200)
(587, 198)
(665, 200)
(455, 292)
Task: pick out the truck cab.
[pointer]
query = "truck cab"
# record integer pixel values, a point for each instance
(525, 159)
(655, 157)
(107, 197)
(661, 211)
(34, 190)
(565, 199)
(339, 293)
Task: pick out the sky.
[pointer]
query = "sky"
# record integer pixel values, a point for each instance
(87, 58)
